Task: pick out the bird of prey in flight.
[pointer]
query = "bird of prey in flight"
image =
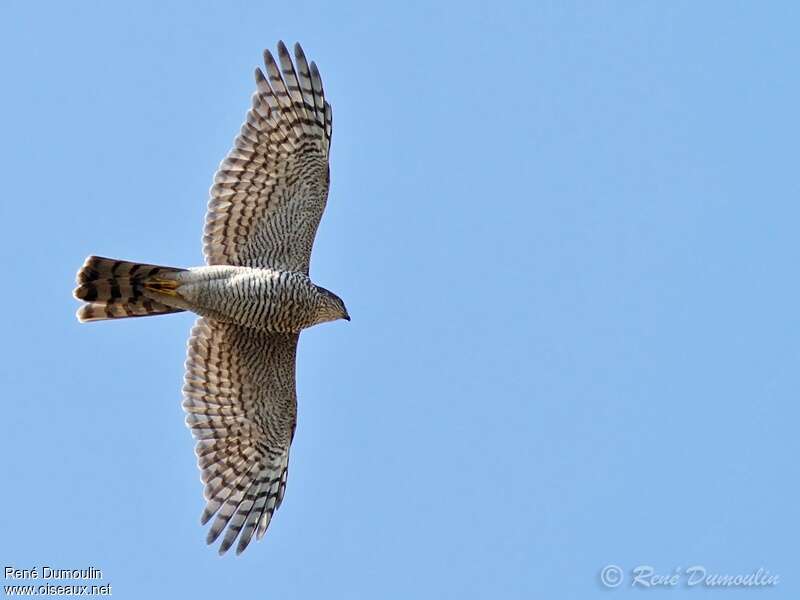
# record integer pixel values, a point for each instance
(253, 297)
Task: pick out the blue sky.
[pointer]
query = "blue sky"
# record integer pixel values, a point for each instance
(566, 234)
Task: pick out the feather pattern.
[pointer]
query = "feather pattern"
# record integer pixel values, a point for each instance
(118, 289)
(269, 193)
(240, 403)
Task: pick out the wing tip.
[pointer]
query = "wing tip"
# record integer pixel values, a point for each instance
(282, 48)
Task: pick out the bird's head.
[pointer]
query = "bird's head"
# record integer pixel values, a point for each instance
(329, 307)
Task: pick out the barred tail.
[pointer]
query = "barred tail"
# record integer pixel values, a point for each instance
(116, 289)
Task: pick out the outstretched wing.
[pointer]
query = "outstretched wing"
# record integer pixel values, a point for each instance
(270, 191)
(241, 405)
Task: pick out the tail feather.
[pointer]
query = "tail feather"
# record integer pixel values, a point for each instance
(115, 289)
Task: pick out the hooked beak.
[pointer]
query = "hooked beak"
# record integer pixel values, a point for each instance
(347, 317)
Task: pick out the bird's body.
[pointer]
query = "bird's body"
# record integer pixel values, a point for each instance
(253, 297)
(264, 299)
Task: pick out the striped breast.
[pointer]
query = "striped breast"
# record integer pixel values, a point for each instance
(264, 299)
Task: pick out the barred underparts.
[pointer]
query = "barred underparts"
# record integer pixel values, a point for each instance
(253, 297)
